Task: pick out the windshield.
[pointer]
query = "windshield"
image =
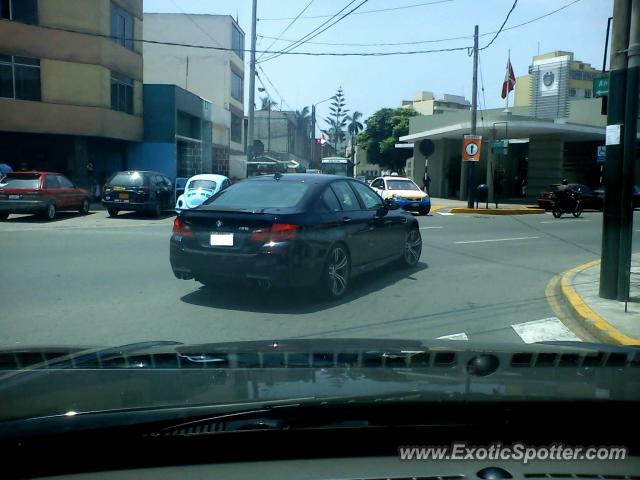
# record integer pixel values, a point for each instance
(262, 194)
(350, 206)
(203, 184)
(125, 179)
(20, 181)
(401, 185)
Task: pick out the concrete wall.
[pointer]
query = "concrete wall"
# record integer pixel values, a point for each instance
(159, 157)
(75, 83)
(587, 112)
(86, 16)
(522, 91)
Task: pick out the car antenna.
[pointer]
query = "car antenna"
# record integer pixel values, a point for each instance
(277, 176)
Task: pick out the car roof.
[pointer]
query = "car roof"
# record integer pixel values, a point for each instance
(148, 172)
(395, 177)
(208, 176)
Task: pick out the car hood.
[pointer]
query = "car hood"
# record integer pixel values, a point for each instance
(49, 381)
(406, 193)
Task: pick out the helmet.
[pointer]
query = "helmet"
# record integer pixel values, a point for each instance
(565, 181)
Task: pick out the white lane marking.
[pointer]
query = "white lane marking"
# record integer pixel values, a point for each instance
(499, 240)
(454, 336)
(427, 228)
(565, 222)
(544, 330)
(445, 213)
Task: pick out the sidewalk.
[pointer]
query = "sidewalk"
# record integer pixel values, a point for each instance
(605, 319)
(460, 206)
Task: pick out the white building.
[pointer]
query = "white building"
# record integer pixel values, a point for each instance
(215, 75)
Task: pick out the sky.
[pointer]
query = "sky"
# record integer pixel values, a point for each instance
(371, 83)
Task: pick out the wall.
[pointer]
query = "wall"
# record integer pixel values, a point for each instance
(159, 157)
(86, 16)
(75, 83)
(522, 91)
(545, 163)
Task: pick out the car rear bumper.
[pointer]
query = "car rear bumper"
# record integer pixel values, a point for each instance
(130, 206)
(280, 267)
(22, 206)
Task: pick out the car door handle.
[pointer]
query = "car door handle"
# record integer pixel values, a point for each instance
(346, 219)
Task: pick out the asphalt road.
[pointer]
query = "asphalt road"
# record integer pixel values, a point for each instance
(99, 281)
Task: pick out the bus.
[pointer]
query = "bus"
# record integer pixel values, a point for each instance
(335, 166)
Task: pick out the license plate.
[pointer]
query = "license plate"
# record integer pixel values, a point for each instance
(14, 197)
(123, 196)
(221, 240)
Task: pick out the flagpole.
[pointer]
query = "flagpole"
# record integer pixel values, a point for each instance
(509, 80)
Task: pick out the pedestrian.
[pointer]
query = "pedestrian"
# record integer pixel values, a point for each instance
(426, 181)
(523, 187)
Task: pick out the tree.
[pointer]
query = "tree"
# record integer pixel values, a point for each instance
(337, 120)
(302, 120)
(354, 127)
(267, 104)
(384, 128)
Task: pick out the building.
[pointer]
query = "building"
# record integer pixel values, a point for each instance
(70, 97)
(282, 137)
(362, 167)
(540, 150)
(427, 103)
(554, 81)
(214, 75)
(177, 133)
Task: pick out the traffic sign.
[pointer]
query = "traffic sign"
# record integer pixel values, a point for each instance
(471, 148)
(500, 146)
(601, 87)
(601, 155)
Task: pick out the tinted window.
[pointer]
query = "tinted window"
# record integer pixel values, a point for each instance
(21, 181)
(51, 181)
(236, 86)
(260, 194)
(401, 185)
(65, 182)
(370, 199)
(127, 180)
(330, 201)
(121, 93)
(345, 195)
(378, 184)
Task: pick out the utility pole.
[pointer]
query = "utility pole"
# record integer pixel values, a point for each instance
(313, 136)
(474, 115)
(252, 83)
(629, 152)
(613, 177)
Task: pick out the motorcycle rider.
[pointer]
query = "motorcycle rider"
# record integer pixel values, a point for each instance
(566, 196)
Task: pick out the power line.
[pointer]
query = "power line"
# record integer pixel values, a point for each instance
(195, 23)
(308, 36)
(283, 102)
(364, 11)
(287, 27)
(435, 40)
(513, 7)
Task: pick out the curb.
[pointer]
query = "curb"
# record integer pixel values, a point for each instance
(593, 322)
(435, 208)
(499, 211)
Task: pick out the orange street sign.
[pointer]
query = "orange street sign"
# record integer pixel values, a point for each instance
(471, 147)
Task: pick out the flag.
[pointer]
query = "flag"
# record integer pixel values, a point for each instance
(509, 80)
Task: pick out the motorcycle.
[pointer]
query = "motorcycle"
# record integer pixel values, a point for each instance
(567, 204)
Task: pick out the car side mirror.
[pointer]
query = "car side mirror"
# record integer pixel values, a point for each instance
(390, 204)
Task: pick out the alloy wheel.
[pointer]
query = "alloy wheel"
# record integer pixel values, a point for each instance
(413, 247)
(338, 271)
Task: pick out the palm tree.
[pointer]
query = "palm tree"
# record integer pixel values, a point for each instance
(354, 127)
(302, 120)
(267, 103)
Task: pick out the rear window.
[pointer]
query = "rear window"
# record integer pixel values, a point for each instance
(21, 181)
(260, 194)
(134, 179)
(205, 184)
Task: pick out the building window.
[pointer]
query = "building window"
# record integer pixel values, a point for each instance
(237, 41)
(236, 128)
(236, 86)
(20, 78)
(121, 26)
(587, 94)
(572, 92)
(121, 93)
(19, 10)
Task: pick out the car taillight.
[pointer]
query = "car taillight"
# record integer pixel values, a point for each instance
(181, 230)
(278, 232)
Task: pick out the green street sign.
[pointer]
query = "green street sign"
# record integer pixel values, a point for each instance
(500, 146)
(601, 87)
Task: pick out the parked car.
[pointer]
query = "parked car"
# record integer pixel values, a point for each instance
(44, 193)
(636, 195)
(589, 200)
(292, 230)
(138, 191)
(200, 187)
(404, 192)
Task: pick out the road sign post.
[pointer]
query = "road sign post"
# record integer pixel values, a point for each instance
(471, 148)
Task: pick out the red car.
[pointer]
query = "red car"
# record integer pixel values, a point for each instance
(44, 193)
(588, 198)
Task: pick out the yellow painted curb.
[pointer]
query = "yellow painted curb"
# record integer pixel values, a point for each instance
(499, 211)
(435, 208)
(593, 322)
